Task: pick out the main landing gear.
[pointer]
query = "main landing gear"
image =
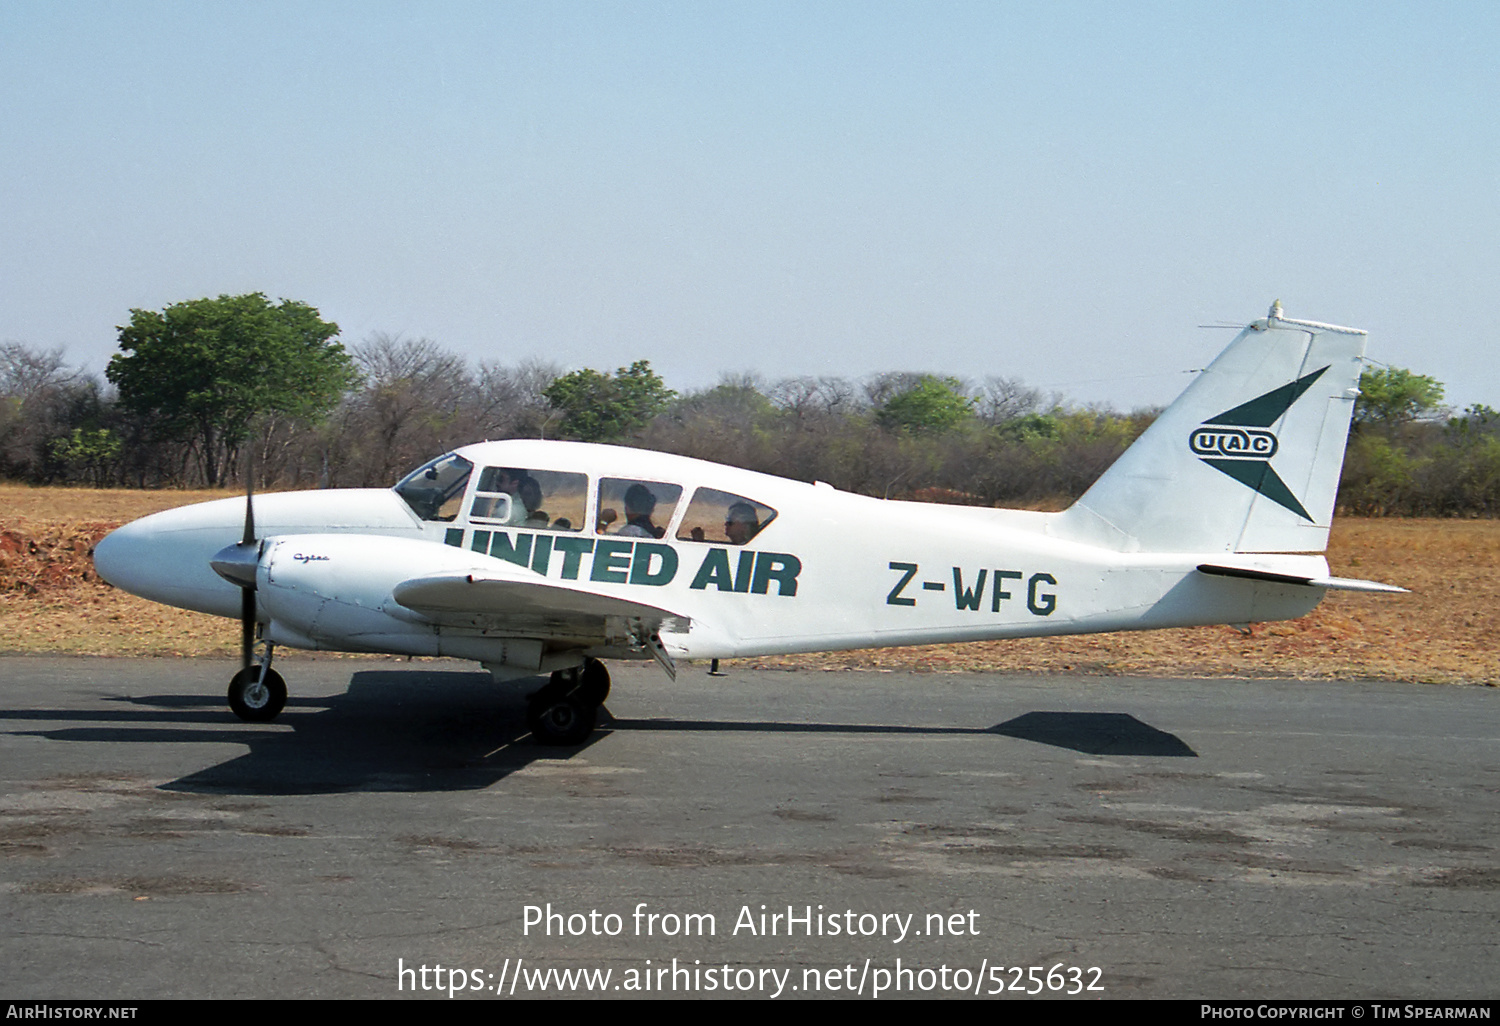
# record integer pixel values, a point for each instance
(564, 711)
(257, 693)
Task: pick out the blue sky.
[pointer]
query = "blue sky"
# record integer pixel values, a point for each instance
(1060, 192)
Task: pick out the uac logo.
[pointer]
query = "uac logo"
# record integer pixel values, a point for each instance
(1237, 442)
(1233, 443)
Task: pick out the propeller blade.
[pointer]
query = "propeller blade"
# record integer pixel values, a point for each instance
(249, 535)
(248, 547)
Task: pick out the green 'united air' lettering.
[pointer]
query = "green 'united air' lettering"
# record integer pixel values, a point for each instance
(572, 550)
(611, 561)
(649, 563)
(541, 553)
(640, 563)
(715, 571)
(780, 567)
(501, 547)
(756, 572)
(743, 572)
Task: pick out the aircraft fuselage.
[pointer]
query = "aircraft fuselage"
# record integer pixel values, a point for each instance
(829, 570)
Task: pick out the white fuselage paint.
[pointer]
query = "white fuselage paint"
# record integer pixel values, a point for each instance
(833, 570)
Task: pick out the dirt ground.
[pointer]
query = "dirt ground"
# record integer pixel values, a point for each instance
(51, 601)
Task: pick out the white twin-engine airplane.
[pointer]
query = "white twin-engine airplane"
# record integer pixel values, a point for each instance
(538, 557)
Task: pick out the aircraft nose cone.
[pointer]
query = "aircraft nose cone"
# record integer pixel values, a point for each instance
(164, 561)
(119, 555)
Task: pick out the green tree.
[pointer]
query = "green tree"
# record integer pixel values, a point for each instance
(1478, 423)
(931, 405)
(1378, 477)
(607, 407)
(89, 452)
(1392, 396)
(203, 369)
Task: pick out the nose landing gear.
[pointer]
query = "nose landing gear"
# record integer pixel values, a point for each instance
(257, 693)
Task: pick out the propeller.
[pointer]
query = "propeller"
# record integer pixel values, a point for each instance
(237, 564)
(247, 591)
(257, 693)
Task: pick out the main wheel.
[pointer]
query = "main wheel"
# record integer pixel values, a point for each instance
(557, 719)
(254, 700)
(593, 680)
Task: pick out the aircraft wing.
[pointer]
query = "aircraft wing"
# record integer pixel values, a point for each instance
(534, 609)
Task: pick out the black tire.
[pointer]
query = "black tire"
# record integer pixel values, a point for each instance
(593, 682)
(561, 719)
(253, 703)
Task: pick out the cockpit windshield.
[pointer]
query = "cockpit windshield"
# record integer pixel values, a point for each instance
(435, 491)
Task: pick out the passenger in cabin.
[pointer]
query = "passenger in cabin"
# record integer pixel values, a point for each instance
(640, 505)
(607, 516)
(740, 523)
(530, 492)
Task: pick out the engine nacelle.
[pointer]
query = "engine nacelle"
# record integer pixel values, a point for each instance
(333, 592)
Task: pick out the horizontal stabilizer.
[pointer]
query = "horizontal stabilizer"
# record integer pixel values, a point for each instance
(1332, 583)
(1355, 584)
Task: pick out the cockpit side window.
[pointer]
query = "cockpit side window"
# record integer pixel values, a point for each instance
(542, 500)
(636, 509)
(435, 490)
(723, 518)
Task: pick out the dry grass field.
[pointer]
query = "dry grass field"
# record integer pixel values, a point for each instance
(51, 602)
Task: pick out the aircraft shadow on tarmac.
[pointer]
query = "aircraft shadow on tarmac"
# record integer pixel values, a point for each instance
(415, 730)
(1091, 733)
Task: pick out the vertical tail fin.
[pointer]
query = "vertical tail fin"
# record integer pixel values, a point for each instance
(1247, 459)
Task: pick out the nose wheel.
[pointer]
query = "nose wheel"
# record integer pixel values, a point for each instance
(257, 693)
(566, 709)
(257, 696)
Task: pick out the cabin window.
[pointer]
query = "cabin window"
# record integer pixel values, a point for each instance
(634, 508)
(435, 490)
(542, 500)
(723, 518)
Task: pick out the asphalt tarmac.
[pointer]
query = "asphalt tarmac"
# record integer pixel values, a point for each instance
(765, 834)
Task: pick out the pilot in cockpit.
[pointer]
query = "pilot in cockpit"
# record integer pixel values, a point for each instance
(740, 523)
